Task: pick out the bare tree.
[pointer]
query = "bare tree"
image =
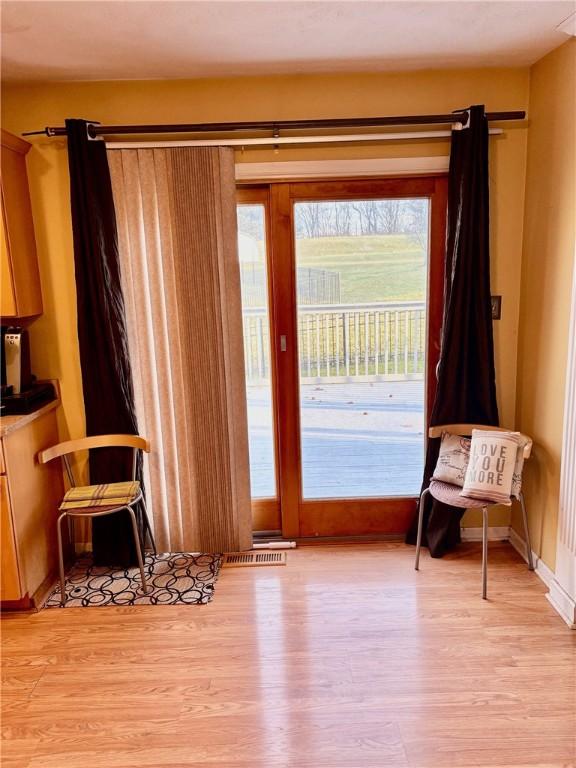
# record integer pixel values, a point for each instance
(367, 214)
(364, 217)
(416, 221)
(342, 219)
(309, 215)
(389, 217)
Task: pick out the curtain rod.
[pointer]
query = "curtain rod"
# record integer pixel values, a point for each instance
(459, 116)
(346, 138)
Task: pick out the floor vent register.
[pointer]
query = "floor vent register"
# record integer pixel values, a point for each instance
(247, 559)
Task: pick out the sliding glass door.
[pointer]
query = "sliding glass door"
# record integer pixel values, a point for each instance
(340, 368)
(254, 253)
(361, 273)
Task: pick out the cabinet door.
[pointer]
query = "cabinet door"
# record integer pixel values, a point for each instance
(9, 576)
(19, 229)
(36, 490)
(7, 299)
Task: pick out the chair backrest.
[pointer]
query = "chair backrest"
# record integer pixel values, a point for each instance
(63, 450)
(465, 430)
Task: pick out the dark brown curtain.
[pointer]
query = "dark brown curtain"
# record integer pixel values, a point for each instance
(466, 389)
(106, 374)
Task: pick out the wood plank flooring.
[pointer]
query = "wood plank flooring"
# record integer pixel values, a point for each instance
(346, 658)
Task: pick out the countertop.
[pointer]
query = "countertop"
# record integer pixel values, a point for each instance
(9, 424)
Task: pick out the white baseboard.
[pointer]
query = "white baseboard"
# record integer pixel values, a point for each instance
(495, 533)
(558, 598)
(563, 604)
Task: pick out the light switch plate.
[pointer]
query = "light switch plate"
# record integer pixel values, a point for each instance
(496, 307)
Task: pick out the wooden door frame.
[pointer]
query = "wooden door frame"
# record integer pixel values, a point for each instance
(334, 517)
(266, 514)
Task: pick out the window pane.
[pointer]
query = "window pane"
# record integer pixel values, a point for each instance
(362, 319)
(256, 325)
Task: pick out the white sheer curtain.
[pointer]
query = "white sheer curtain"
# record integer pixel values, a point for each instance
(176, 216)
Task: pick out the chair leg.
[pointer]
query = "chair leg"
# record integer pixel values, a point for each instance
(61, 560)
(484, 551)
(138, 549)
(526, 533)
(420, 523)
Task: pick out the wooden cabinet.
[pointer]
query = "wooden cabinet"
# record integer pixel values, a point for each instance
(9, 575)
(19, 274)
(29, 496)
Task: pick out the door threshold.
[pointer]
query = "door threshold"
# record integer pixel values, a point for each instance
(310, 541)
(258, 536)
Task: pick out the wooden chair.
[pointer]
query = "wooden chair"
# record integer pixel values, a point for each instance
(450, 494)
(89, 501)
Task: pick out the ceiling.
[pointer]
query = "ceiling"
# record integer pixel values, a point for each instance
(111, 40)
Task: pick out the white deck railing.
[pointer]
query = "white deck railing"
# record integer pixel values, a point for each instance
(340, 341)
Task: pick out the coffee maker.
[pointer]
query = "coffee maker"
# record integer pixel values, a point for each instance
(16, 371)
(21, 393)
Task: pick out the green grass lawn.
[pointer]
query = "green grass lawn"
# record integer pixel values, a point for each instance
(371, 267)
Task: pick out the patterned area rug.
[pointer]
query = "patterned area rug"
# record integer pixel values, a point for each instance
(176, 578)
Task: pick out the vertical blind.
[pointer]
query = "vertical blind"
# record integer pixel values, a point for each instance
(176, 213)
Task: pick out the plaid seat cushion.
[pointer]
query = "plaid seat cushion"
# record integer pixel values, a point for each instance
(103, 495)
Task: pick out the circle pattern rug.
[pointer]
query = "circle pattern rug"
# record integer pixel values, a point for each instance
(173, 578)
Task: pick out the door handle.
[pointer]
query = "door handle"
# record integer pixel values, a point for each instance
(283, 345)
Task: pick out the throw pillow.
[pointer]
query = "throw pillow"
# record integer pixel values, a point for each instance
(519, 466)
(491, 466)
(452, 459)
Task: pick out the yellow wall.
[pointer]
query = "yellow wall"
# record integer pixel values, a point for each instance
(548, 262)
(30, 107)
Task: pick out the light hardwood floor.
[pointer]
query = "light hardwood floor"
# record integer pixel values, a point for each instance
(346, 658)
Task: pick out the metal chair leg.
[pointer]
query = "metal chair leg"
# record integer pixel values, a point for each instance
(484, 551)
(138, 549)
(526, 533)
(61, 559)
(420, 524)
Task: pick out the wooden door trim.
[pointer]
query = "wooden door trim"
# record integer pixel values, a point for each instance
(335, 517)
(266, 515)
(345, 517)
(437, 249)
(266, 511)
(284, 287)
(332, 517)
(357, 189)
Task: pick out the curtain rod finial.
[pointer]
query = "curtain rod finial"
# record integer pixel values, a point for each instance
(463, 121)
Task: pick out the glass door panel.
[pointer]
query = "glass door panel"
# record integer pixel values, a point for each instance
(361, 293)
(257, 357)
